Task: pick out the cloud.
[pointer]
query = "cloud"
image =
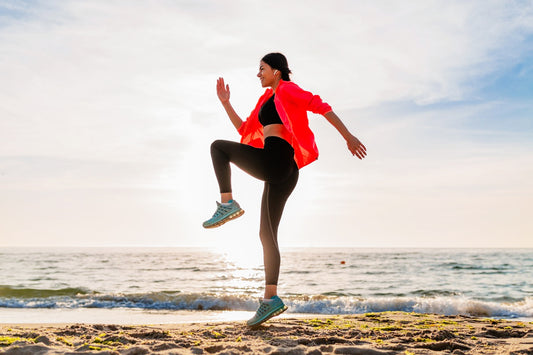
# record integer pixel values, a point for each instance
(89, 63)
(432, 178)
(98, 96)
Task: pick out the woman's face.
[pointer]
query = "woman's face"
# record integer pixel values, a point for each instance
(267, 75)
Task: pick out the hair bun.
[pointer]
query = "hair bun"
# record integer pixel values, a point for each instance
(285, 74)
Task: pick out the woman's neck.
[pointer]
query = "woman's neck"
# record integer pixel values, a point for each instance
(275, 86)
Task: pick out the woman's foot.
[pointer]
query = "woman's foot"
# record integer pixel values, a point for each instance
(225, 212)
(267, 309)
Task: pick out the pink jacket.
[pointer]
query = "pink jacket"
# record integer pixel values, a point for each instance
(292, 104)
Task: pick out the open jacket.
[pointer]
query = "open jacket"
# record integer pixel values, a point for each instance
(292, 104)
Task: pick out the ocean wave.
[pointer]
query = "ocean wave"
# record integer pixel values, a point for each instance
(440, 305)
(8, 292)
(322, 304)
(166, 300)
(483, 269)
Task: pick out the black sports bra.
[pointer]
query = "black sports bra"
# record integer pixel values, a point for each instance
(268, 114)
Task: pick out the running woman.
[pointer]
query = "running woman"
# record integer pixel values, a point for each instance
(276, 142)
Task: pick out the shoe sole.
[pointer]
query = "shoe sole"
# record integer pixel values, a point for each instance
(227, 219)
(276, 313)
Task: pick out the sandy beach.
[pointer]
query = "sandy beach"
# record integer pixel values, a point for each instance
(371, 333)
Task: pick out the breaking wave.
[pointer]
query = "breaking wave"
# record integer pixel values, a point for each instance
(449, 304)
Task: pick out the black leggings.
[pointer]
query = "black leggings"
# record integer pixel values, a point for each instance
(275, 165)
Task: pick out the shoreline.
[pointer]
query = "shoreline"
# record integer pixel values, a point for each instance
(371, 333)
(126, 316)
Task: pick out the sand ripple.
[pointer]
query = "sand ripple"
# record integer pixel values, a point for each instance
(368, 334)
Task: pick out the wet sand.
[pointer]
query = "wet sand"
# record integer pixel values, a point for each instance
(373, 333)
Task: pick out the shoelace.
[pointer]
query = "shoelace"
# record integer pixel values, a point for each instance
(262, 309)
(222, 210)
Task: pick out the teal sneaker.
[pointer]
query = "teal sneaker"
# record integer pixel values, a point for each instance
(223, 214)
(267, 309)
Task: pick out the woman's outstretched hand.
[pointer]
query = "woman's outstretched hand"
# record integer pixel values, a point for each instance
(223, 96)
(222, 91)
(356, 147)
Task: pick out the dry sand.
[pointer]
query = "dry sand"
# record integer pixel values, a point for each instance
(373, 333)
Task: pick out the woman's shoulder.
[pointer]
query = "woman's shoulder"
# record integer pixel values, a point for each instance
(288, 86)
(293, 92)
(289, 89)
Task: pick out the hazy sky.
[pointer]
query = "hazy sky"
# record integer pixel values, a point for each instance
(108, 108)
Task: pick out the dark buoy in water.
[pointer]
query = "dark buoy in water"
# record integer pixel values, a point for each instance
(343, 262)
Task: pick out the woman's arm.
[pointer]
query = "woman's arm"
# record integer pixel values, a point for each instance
(354, 145)
(223, 95)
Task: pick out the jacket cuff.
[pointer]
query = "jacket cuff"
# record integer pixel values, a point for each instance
(242, 128)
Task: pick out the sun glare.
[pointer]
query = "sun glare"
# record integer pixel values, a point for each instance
(242, 258)
(244, 267)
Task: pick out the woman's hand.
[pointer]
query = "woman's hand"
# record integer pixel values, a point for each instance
(222, 91)
(356, 147)
(223, 96)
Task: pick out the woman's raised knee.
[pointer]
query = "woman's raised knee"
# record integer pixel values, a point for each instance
(216, 144)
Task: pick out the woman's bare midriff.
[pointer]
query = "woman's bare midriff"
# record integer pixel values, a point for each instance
(277, 130)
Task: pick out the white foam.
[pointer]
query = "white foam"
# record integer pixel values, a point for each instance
(446, 305)
(440, 305)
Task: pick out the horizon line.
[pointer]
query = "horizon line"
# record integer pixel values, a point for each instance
(281, 247)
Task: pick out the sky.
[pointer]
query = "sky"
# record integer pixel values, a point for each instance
(108, 109)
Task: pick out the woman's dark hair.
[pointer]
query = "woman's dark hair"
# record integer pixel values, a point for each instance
(279, 62)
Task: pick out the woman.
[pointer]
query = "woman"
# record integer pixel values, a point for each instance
(276, 142)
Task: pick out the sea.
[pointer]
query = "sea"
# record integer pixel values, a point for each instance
(177, 285)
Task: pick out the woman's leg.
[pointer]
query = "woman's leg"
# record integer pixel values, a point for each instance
(274, 198)
(263, 164)
(275, 165)
(249, 159)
